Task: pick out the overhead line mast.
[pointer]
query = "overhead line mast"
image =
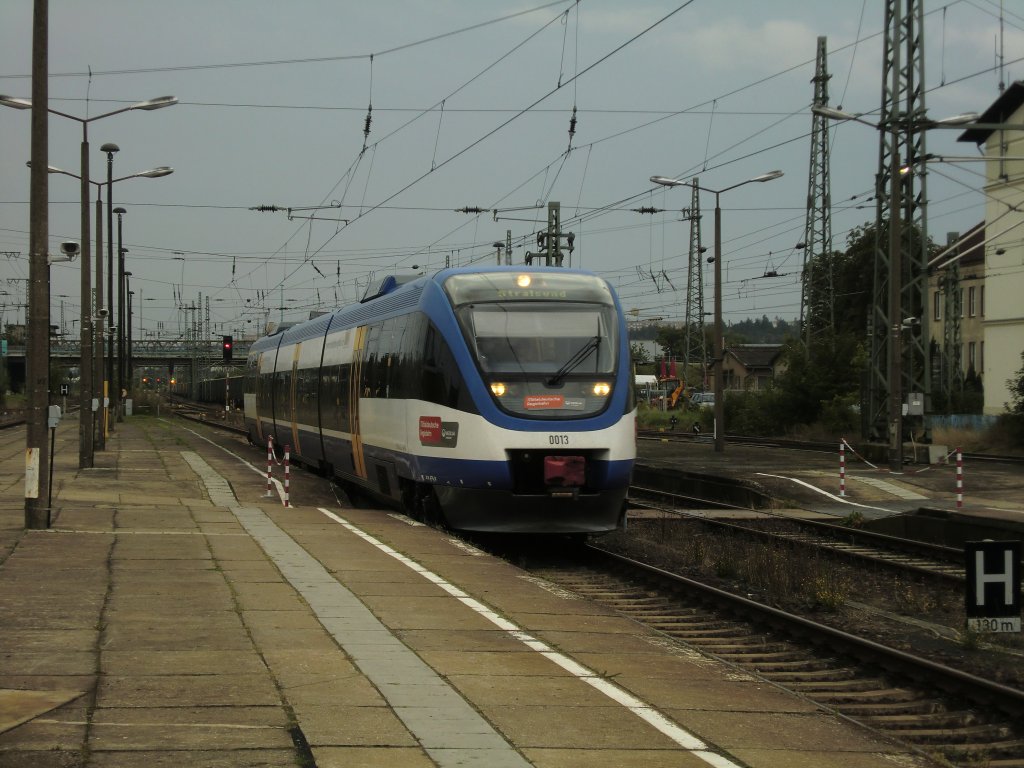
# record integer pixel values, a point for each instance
(817, 305)
(898, 372)
(695, 351)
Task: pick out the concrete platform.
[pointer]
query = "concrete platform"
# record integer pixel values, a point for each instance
(173, 615)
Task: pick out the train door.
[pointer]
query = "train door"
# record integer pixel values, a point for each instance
(293, 400)
(323, 391)
(281, 379)
(267, 403)
(253, 403)
(354, 394)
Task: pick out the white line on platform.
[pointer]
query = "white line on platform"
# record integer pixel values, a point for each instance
(645, 712)
(837, 499)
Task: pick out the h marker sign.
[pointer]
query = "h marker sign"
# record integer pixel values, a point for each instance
(993, 585)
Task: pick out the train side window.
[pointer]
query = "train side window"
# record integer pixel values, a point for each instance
(341, 398)
(410, 357)
(282, 399)
(442, 380)
(250, 383)
(371, 351)
(305, 396)
(328, 383)
(384, 360)
(398, 385)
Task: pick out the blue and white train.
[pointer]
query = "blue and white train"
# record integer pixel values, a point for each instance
(497, 399)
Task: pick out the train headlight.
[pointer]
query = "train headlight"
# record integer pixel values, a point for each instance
(498, 389)
(523, 281)
(602, 389)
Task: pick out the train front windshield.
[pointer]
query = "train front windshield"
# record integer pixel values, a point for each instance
(545, 343)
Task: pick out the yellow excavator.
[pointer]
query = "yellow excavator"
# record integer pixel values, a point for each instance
(677, 393)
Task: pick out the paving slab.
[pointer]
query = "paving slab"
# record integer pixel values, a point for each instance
(20, 706)
(218, 690)
(192, 728)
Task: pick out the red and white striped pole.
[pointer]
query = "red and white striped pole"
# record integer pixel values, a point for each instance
(842, 467)
(959, 479)
(270, 464)
(287, 457)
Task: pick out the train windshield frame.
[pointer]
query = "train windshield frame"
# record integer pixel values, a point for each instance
(545, 344)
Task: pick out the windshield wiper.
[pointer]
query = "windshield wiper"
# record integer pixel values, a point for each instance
(573, 362)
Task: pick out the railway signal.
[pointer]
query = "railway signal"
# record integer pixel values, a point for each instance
(228, 346)
(993, 585)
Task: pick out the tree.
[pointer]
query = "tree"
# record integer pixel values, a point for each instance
(852, 273)
(639, 352)
(1016, 387)
(672, 340)
(829, 372)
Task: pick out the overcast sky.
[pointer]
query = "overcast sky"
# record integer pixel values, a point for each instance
(472, 103)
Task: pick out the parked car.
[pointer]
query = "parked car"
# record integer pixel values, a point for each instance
(703, 399)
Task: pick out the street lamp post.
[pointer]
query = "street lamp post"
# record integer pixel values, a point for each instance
(97, 342)
(87, 389)
(98, 345)
(120, 310)
(128, 333)
(110, 397)
(719, 351)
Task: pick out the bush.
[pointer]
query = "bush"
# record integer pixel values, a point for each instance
(1008, 431)
(840, 417)
(761, 413)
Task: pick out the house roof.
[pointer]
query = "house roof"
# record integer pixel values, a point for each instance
(972, 249)
(1002, 109)
(755, 355)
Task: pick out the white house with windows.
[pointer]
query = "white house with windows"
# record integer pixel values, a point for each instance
(957, 312)
(999, 300)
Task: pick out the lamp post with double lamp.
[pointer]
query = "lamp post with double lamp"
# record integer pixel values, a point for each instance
(894, 356)
(719, 385)
(97, 365)
(129, 293)
(124, 339)
(110, 398)
(85, 425)
(121, 250)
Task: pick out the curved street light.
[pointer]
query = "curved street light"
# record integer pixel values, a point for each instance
(719, 352)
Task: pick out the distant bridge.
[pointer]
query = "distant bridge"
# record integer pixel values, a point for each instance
(150, 351)
(157, 353)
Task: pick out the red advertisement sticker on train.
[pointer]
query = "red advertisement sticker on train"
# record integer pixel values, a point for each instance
(537, 402)
(430, 430)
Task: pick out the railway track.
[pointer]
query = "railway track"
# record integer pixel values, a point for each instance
(796, 445)
(920, 558)
(942, 712)
(203, 414)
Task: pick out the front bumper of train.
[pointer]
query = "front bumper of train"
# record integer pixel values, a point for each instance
(555, 512)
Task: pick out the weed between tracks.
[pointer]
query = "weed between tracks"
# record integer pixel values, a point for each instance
(781, 573)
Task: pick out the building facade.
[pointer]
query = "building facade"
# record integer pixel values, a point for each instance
(751, 367)
(1000, 297)
(956, 312)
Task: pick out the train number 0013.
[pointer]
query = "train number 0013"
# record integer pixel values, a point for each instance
(558, 439)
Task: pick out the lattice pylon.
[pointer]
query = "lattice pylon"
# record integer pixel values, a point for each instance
(901, 144)
(817, 304)
(695, 354)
